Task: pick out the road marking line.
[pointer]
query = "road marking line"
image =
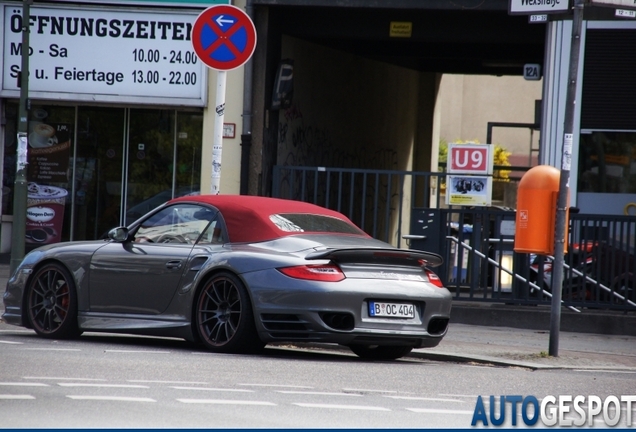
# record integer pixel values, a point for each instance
(424, 399)
(137, 352)
(459, 395)
(102, 385)
(167, 382)
(21, 384)
(51, 349)
(439, 411)
(368, 390)
(225, 402)
(604, 370)
(347, 407)
(276, 385)
(317, 393)
(64, 378)
(8, 396)
(11, 342)
(212, 389)
(111, 398)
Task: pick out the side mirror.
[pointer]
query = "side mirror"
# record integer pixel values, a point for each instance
(119, 234)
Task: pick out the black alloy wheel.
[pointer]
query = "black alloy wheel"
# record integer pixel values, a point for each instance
(380, 352)
(52, 302)
(224, 316)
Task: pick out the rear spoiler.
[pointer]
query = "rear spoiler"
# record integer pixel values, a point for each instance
(378, 256)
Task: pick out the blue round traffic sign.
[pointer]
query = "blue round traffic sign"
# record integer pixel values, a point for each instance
(223, 37)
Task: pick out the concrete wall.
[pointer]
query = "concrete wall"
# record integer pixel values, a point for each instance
(352, 112)
(347, 111)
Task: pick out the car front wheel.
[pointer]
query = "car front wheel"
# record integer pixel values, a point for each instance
(380, 352)
(52, 302)
(224, 317)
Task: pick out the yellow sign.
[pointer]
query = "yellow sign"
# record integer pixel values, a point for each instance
(401, 29)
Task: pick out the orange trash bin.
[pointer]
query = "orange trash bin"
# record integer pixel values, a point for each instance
(536, 211)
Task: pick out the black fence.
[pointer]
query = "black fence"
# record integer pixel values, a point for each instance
(481, 265)
(406, 209)
(373, 200)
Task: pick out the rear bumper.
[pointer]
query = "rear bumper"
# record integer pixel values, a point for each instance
(292, 310)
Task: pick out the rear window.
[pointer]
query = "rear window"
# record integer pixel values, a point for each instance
(298, 222)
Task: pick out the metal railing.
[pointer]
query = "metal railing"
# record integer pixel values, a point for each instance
(373, 200)
(404, 208)
(599, 267)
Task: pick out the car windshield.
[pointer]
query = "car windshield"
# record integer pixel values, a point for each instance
(300, 222)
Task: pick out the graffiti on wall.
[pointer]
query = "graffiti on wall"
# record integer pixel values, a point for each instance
(300, 143)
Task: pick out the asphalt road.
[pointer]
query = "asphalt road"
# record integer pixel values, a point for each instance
(138, 382)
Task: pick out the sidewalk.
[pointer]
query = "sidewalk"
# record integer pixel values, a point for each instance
(505, 346)
(478, 334)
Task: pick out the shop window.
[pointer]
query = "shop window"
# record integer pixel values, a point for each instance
(107, 166)
(607, 162)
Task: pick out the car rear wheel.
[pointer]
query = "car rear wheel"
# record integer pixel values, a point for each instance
(52, 302)
(224, 317)
(380, 352)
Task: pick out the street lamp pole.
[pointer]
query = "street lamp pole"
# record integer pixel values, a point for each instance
(560, 230)
(20, 185)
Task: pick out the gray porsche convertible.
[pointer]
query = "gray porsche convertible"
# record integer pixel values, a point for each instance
(235, 273)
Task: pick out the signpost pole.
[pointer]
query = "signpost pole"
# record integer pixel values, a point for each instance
(560, 230)
(217, 145)
(18, 226)
(224, 38)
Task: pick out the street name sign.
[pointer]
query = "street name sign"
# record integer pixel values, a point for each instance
(533, 7)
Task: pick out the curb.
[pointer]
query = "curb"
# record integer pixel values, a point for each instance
(495, 361)
(457, 358)
(538, 318)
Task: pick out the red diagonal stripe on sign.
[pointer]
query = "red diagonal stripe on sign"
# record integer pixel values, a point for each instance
(223, 37)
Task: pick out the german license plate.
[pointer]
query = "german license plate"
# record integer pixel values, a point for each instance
(392, 310)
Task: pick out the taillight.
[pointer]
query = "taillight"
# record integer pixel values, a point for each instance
(319, 272)
(433, 278)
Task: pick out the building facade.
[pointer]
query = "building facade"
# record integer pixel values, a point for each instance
(122, 112)
(118, 107)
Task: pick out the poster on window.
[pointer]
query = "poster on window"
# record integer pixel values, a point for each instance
(49, 147)
(49, 150)
(468, 190)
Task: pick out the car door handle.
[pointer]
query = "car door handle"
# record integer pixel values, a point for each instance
(174, 264)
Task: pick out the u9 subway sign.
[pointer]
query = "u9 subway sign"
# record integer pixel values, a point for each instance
(470, 159)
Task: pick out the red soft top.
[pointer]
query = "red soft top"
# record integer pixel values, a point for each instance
(247, 216)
